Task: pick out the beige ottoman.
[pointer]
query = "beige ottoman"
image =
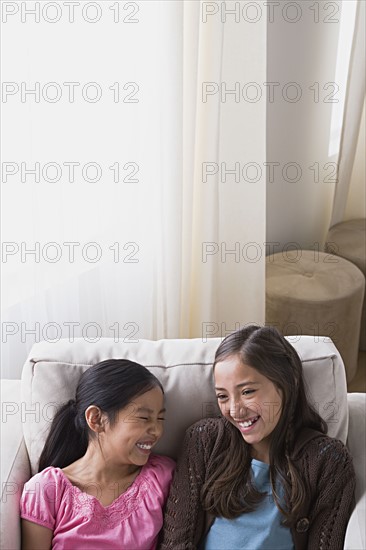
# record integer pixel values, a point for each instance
(348, 240)
(309, 292)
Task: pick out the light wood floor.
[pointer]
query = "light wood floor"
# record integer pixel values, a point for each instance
(358, 384)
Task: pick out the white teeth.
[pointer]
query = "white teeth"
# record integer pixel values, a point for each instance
(248, 423)
(143, 446)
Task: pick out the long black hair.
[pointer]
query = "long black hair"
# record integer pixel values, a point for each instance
(109, 385)
(229, 490)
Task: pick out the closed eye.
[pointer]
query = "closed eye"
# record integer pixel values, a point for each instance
(146, 418)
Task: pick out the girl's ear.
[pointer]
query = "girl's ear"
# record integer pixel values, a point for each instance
(95, 419)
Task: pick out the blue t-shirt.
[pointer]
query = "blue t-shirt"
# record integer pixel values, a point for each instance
(258, 530)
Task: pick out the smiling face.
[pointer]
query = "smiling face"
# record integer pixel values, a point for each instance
(250, 401)
(137, 429)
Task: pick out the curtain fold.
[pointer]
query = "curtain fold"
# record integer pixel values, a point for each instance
(181, 232)
(356, 201)
(182, 239)
(162, 231)
(355, 97)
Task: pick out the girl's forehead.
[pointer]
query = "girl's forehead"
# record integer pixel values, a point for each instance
(151, 396)
(234, 369)
(233, 363)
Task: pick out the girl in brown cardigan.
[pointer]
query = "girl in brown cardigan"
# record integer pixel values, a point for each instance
(263, 475)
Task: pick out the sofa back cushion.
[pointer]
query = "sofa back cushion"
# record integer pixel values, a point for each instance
(184, 367)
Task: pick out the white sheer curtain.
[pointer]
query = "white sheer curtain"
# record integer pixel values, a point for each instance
(356, 201)
(223, 230)
(173, 255)
(352, 116)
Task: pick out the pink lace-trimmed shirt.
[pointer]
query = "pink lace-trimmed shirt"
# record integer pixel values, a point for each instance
(80, 522)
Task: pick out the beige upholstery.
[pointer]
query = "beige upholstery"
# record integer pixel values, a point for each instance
(356, 530)
(348, 240)
(15, 467)
(309, 292)
(184, 367)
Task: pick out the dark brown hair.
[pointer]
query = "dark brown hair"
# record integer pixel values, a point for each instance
(229, 490)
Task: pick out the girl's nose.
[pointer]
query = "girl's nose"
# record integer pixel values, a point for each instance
(155, 429)
(235, 408)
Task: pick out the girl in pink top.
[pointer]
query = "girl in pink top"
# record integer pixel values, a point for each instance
(99, 487)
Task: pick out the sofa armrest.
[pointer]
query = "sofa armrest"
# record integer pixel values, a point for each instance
(356, 530)
(15, 467)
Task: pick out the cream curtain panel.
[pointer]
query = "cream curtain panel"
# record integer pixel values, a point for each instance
(160, 246)
(356, 201)
(352, 131)
(125, 212)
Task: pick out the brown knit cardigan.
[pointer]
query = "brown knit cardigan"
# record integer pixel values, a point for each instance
(325, 463)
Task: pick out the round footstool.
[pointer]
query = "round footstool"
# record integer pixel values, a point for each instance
(348, 240)
(310, 292)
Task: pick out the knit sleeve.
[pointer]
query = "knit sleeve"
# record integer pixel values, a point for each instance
(335, 496)
(184, 519)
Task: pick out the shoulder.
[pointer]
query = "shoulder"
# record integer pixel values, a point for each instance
(203, 436)
(161, 462)
(47, 478)
(158, 473)
(316, 442)
(42, 495)
(207, 428)
(321, 452)
(160, 468)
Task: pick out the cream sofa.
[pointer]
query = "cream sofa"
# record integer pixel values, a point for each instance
(184, 367)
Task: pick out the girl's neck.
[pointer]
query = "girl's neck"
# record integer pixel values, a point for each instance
(260, 453)
(104, 482)
(92, 467)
